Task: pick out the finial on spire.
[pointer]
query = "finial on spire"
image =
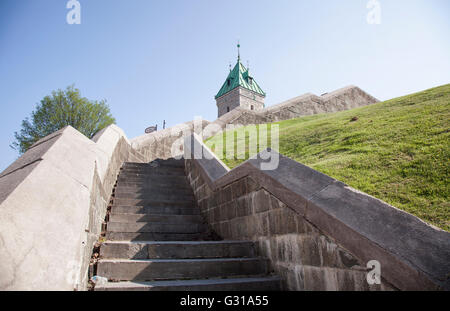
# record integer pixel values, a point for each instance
(239, 52)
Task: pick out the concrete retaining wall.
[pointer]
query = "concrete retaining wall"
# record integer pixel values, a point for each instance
(53, 201)
(318, 232)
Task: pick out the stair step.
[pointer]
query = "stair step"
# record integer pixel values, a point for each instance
(154, 183)
(168, 219)
(156, 210)
(152, 171)
(174, 196)
(179, 250)
(152, 236)
(152, 202)
(269, 283)
(152, 174)
(157, 163)
(166, 269)
(184, 186)
(167, 179)
(153, 190)
(155, 227)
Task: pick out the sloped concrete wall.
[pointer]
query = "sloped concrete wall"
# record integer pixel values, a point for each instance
(53, 201)
(318, 233)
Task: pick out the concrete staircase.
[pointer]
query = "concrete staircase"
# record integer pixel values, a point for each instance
(157, 240)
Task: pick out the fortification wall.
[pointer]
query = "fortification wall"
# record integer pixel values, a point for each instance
(169, 142)
(53, 201)
(308, 104)
(318, 233)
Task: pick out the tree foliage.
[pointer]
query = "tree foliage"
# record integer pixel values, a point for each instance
(62, 108)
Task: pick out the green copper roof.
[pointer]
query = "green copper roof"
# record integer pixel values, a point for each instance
(239, 76)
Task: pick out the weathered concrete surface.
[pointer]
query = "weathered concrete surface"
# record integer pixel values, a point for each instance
(170, 269)
(319, 233)
(53, 201)
(177, 249)
(238, 284)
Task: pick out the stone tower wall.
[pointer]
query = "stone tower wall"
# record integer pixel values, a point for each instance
(239, 97)
(248, 98)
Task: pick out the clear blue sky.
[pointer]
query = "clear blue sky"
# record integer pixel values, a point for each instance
(166, 59)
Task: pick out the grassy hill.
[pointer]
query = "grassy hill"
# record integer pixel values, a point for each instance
(397, 150)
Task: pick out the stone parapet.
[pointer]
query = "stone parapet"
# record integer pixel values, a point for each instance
(318, 233)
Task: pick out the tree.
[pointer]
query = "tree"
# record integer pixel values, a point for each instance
(60, 109)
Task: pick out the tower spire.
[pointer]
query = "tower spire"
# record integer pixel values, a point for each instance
(239, 52)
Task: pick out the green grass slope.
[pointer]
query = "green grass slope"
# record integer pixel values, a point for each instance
(397, 150)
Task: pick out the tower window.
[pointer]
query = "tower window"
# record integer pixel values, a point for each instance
(228, 82)
(251, 107)
(228, 109)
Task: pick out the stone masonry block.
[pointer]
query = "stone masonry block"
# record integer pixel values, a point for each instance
(275, 203)
(229, 209)
(251, 185)
(281, 221)
(238, 189)
(320, 279)
(243, 207)
(261, 201)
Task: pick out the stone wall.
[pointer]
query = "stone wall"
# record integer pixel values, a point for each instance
(248, 98)
(230, 100)
(53, 201)
(343, 99)
(239, 97)
(167, 143)
(318, 233)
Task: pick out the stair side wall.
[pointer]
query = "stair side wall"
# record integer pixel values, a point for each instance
(53, 210)
(299, 253)
(318, 233)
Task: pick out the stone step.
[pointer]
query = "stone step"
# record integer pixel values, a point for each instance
(154, 185)
(155, 227)
(151, 236)
(151, 174)
(269, 283)
(166, 179)
(168, 219)
(174, 269)
(177, 250)
(157, 210)
(176, 164)
(174, 196)
(153, 170)
(152, 202)
(148, 168)
(153, 190)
